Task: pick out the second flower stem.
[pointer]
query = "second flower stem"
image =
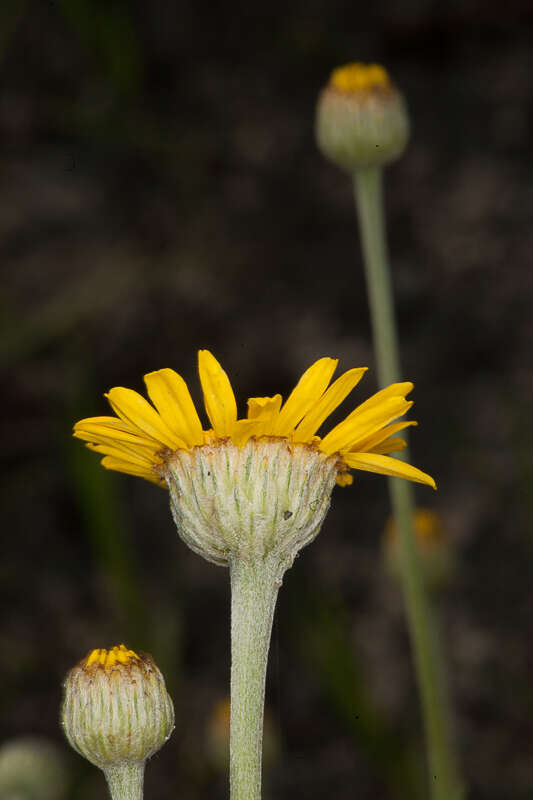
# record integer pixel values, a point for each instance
(254, 591)
(444, 780)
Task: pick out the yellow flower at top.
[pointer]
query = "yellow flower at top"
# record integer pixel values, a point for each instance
(361, 118)
(110, 658)
(143, 438)
(357, 77)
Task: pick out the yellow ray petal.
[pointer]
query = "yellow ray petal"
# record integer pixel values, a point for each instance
(244, 429)
(133, 408)
(123, 454)
(94, 432)
(170, 395)
(394, 390)
(147, 452)
(145, 448)
(392, 445)
(305, 394)
(346, 434)
(370, 442)
(264, 408)
(263, 411)
(372, 462)
(329, 401)
(111, 422)
(218, 395)
(109, 462)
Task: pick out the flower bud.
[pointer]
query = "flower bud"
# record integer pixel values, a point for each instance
(435, 554)
(116, 709)
(361, 118)
(268, 497)
(32, 768)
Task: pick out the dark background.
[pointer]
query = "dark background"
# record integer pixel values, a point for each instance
(161, 192)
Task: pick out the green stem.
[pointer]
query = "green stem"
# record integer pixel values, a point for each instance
(254, 590)
(444, 778)
(125, 782)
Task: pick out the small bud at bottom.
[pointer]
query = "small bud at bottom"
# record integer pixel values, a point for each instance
(117, 713)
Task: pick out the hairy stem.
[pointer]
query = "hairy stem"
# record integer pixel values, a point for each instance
(254, 590)
(125, 782)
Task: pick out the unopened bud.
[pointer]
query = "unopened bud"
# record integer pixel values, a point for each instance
(361, 118)
(116, 709)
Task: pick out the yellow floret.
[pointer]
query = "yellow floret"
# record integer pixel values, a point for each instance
(357, 77)
(109, 658)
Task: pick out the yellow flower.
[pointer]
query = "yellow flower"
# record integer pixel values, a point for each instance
(358, 77)
(142, 438)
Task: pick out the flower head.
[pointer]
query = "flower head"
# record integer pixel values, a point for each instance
(361, 117)
(116, 709)
(259, 484)
(142, 439)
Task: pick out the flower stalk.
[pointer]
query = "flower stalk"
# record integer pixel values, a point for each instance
(254, 591)
(444, 777)
(125, 781)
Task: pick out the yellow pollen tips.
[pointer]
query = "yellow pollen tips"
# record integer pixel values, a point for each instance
(110, 658)
(358, 77)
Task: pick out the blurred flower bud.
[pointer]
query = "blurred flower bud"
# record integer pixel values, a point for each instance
(435, 553)
(361, 118)
(116, 709)
(32, 769)
(217, 740)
